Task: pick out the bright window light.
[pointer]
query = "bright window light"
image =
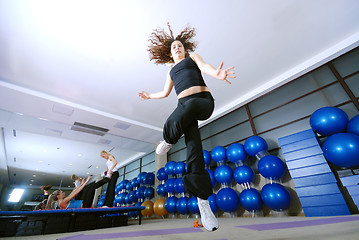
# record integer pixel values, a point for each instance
(16, 195)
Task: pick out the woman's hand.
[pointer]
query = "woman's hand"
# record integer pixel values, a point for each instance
(223, 74)
(144, 95)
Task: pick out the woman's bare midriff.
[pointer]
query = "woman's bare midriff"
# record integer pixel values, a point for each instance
(192, 90)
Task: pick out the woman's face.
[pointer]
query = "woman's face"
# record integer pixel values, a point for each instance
(104, 155)
(177, 50)
(61, 195)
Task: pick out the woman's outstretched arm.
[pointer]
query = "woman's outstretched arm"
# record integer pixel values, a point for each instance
(74, 192)
(164, 93)
(219, 73)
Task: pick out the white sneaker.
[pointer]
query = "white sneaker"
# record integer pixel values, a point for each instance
(209, 221)
(163, 148)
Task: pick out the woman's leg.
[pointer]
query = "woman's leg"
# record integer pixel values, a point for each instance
(110, 192)
(183, 120)
(196, 181)
(89, 192)
(189, 109)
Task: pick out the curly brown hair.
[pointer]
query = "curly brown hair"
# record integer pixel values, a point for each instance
(160, 43)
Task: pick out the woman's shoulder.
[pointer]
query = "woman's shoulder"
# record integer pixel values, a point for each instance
(196, 58)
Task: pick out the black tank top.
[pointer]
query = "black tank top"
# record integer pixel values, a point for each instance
(186, 74)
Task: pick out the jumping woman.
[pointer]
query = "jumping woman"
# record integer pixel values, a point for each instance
(195, 102)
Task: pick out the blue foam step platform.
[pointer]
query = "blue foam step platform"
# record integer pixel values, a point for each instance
(350, 180)
(303, 153)
(333, 210)
(306, 162)
(314, 181)
(322, 200)
(310, 170)
(296, 137)
(306, 143)
(331, 188)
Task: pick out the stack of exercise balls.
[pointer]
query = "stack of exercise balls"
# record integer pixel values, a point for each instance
(341, 147)
(159, 205)
(274, 195)
(244, 176)
(146, 180)
(171, 201)
(182, 202)
(227, 198)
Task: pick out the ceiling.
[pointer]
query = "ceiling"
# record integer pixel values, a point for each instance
(63, 62)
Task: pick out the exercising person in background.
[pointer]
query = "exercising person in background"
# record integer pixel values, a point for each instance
(112, 174)
(63, 202)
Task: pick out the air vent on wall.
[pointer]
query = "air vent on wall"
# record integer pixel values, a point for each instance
(86, 128)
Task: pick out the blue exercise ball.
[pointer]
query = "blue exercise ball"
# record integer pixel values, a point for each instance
(271, 167)
(211, 174)
(133, 196)
(342, 149)
(169, 185)
(132, 214)
(275, 196)
(178, 185)
(353, 125)
(129, 186)
(140, 177)
(213, 202)
(100, 202)
(140, 193)
(161, 190)
(243, 174)
(236, 153)
(149, 179)
(250, 199)
(137, 213)
(179, 168)
(135, 183)
(207, 158)
(193, 205)
(182, 205)
(227, 200)
(123, 184)
(329, 120)
(218, 154)
(117, 200)
(169, 167)
(149, 192)
(170, 204)
(161, 174)
(128, 199)
(122, 197)
(254, 145)
(118, 188)
(223, 174)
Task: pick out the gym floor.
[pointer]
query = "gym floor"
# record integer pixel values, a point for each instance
(340, 227)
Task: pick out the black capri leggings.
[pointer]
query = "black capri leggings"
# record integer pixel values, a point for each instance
(184, 120)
